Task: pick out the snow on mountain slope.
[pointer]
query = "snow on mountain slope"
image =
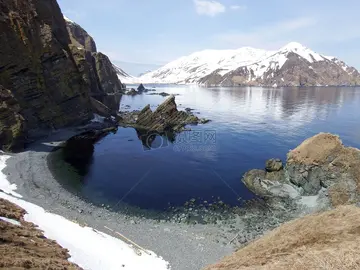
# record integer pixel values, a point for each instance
(125, 77)
(212, 67)
(190, 69)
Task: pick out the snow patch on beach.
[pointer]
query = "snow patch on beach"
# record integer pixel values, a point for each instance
(89, 248)
(4, 183)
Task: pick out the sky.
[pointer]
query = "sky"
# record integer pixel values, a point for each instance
(141, 35)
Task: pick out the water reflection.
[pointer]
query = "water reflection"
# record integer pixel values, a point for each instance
(251, 125)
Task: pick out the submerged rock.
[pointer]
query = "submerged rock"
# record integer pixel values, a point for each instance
(319, 163)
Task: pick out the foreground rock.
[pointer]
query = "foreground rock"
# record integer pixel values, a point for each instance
(320, 164)
(328, 240)
(49, 70)
(165, 118)
(38, 68)
(24, 246)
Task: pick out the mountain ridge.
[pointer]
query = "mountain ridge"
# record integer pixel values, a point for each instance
(256, 67)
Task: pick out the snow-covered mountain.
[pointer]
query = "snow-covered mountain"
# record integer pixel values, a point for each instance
(125, 77)
(292, 65)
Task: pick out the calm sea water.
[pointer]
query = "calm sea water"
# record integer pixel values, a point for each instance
(249, 126)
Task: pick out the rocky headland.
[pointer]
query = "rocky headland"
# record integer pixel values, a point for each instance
(321, 167)
(49, 73)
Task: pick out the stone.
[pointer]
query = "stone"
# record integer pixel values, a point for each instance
(165, 119)
(141, 88)
(274, 165)
(319, 165)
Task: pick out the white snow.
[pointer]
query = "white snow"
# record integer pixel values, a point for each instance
(68, 20)
(98, 119)
(190, 69)
(88, 248)
(14, 222)
(4, 183)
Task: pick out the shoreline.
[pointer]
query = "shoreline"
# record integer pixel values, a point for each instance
(183, 246)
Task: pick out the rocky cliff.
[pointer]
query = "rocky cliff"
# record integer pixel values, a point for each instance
(45, 81)
(37, 67)
(97, 69)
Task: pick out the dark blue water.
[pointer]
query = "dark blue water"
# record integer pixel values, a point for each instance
(250, 125)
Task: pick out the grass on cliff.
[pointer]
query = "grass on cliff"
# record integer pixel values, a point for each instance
(329, 240)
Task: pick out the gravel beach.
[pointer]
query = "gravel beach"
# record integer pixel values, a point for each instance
(185, 247)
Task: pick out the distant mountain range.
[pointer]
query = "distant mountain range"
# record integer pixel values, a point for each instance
(292, 65)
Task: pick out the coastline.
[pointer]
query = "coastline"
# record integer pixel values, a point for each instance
(183, 246)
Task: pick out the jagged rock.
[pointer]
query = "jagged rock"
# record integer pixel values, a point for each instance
(273, 165)
(165, 118)
(320, 162)
(141, 88)
(79, 37)
(97, 69)
(107, 75)
(132, 92)
(37, 66)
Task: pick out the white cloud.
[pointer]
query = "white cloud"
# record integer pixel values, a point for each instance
(236, 7)
(209, 8)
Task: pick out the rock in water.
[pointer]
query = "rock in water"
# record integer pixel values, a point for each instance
(141, 88)
(321, 162)
(165, 118)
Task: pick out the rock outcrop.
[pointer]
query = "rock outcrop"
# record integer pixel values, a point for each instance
(165, 118)
(97, 69)
(319, 163)
(12, 124)
(46, 74)
(38, 68)
(79, 37)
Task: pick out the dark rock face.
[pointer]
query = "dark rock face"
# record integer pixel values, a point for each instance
(38, 68)
(108, 79)
(80, 38)
(319, 163)
(96, 67)
(12, 124)
(141, 88)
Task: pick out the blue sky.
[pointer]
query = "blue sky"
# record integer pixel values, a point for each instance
(143, 34)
